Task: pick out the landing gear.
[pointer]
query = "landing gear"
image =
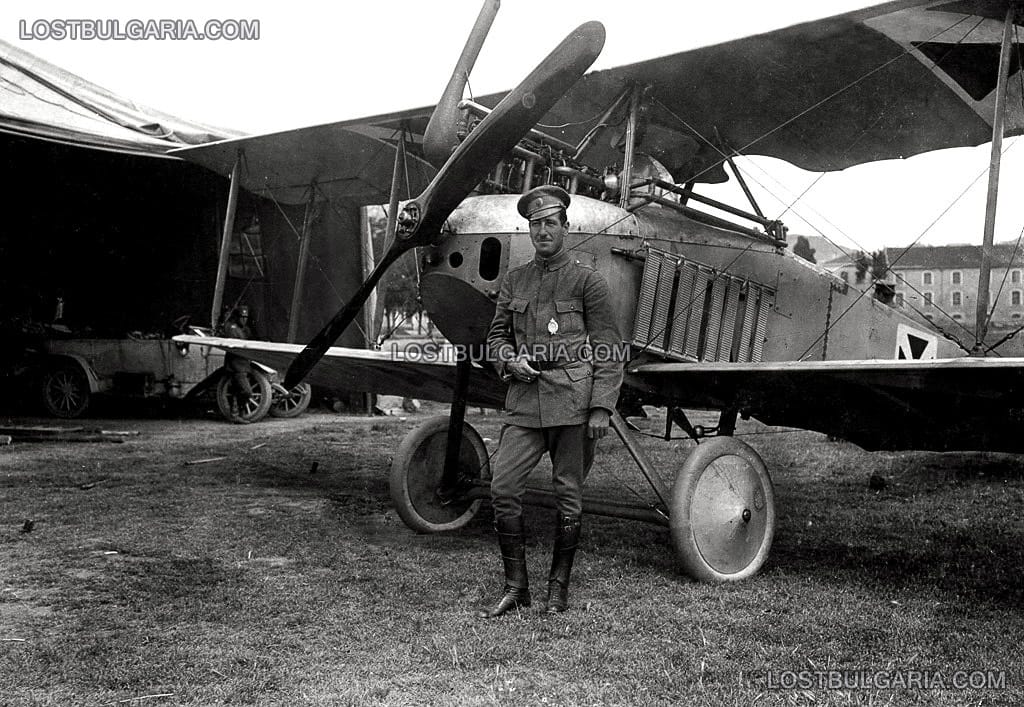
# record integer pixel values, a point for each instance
(245, 411)
(722, 512)
(418, 469)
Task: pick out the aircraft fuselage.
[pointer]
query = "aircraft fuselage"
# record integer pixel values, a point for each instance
(808, 313)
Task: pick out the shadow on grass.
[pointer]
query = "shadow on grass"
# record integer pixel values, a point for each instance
(943, 526)
(951, 564)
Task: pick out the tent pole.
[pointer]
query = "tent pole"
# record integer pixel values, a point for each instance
(998, 119)
(300, 268)
(225, 242)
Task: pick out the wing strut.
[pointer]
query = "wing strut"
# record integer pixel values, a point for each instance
(998, 119)
(225, 242)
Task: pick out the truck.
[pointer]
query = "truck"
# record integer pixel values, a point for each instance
(72, 371)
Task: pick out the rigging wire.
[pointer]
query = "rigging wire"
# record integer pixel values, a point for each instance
(578, 122)
(905, 251)
(946, 334)
(311, 189)
(791, 205)
(717, 149)
(828, 98)
(881, 115)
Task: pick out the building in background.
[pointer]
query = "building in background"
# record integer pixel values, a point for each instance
(940, 284)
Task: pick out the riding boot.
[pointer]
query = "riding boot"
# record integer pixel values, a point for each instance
(512, 542)
(566, 539)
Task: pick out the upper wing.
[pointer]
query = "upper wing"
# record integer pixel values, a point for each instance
(350, 160)
(940, 404)
(885, 82)
(426, 377)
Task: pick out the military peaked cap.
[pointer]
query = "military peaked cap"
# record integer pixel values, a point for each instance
(542, 201)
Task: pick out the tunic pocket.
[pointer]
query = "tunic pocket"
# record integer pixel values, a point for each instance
(579, 370)
(518, 305)
(570, 315)
(581, 384)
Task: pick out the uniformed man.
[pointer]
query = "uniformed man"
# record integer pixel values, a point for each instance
(238, 367)
(552, 315)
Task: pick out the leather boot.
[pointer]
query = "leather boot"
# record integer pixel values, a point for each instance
(512, 541)
(567, 537)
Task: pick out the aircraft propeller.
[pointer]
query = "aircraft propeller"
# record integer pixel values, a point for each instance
(421, 220)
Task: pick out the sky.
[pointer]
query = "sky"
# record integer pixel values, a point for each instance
(322, 62)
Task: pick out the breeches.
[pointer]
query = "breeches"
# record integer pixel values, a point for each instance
(238, 368)
(520, 448)
(242, 389)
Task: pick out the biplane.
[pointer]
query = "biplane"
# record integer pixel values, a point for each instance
(716, 312)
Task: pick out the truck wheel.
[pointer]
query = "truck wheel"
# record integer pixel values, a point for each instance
(252, 410)
(294, 403)
(65, 391)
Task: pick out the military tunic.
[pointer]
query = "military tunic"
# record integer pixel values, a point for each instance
(238, 367)
(558, 311)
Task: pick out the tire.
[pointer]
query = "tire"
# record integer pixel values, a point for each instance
(722, 516)
(255, 409)
(65, 391)
(294, 403)
(416, 472)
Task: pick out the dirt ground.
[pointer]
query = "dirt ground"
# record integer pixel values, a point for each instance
(199, 562)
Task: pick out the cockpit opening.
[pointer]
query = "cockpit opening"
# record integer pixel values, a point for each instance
(490, 258)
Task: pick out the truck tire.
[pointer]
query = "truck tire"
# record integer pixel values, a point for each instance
(255, 409)
(64, 390)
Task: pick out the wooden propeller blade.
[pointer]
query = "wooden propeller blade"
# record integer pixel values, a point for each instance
(441, 138)
(504, 127)
(316, 348)
(474, 159)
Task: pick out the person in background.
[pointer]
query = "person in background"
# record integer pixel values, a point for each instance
(238, 367)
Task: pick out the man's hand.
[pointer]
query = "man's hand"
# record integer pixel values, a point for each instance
(521, 370)
(597, 425)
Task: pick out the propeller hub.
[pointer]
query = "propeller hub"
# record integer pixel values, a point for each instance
(408, 220)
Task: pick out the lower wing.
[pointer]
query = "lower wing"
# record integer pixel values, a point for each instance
(939, 404)
(428, 377)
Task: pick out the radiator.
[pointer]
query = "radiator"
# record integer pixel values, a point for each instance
(688, 311)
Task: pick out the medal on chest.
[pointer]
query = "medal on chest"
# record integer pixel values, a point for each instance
(552, 327)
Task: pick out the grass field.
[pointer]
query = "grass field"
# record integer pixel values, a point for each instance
(251, 580)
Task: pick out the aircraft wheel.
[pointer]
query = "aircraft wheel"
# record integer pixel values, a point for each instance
(253, 410)
(723, 511)
(65, 391)
(416, 472)
(294, 403)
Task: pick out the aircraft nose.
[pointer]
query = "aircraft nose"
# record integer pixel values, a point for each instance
(462, 312)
